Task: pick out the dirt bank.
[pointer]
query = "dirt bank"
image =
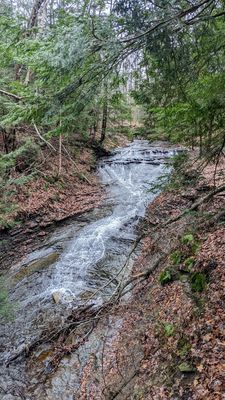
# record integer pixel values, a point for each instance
(169, 344)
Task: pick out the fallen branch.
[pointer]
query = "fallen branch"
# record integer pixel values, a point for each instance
(14, 96)
(42, 138)
(111, 280)
(195, 205)
(75, 165)
(137, 279)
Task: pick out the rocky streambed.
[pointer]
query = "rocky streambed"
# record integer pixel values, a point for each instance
(76, 270)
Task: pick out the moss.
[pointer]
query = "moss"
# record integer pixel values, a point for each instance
(186, 368)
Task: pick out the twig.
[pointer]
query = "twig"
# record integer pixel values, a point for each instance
(14, 96)
(81, 174)
(195, 205)
(42, 138)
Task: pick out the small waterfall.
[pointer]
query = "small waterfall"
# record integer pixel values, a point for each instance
(95, 252)
(127, 174)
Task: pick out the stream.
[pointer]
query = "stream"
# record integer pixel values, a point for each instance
(72, 266)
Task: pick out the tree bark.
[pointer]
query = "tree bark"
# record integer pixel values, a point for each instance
(104, 113)
(9, 139)
(34, 13)
(104, 121)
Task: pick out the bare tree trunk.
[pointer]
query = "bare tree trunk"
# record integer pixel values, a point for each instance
(104, 120)
(104, 113)
(34, 13)
(9, 139)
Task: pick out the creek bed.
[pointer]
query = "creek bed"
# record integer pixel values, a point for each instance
(74, 263)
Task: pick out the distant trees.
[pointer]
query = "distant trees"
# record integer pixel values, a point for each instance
(58, 58)
(181, 84)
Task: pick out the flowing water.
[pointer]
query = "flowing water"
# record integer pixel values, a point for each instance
(77, 261)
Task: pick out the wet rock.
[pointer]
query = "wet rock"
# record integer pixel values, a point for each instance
(35, 266)
(42, 233)
(62, 295)
(57, 297)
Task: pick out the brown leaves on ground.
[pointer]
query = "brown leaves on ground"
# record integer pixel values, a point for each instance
(49, 197)
(167, 329)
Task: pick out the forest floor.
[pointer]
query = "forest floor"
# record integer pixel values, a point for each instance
(170, 343)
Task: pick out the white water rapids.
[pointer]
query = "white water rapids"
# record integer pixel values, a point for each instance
(128, 175)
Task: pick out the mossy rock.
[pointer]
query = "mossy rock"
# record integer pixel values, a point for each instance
(186, 368)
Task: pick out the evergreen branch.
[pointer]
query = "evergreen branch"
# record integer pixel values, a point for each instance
(179, 15)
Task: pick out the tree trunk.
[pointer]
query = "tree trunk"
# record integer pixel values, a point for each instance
(9, 139)
(104, 120)
(34, 13)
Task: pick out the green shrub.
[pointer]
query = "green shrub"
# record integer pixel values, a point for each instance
(169, 329)
(165, 277)
(198, 281)
(187, 239)
(176, 257)
(189, 263)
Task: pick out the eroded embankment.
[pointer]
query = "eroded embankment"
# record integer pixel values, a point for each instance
(169, 344)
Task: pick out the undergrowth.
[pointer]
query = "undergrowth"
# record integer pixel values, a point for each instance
(178, 175)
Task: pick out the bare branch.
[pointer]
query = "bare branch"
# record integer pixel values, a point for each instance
(42, 138)
(196, 204)
(14, 96)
